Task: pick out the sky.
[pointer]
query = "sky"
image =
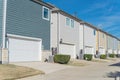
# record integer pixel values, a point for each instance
(104, 14)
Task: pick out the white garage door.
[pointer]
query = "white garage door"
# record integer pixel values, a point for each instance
(102, 51)
(115, 52)
(110, 51)
(67, 49)
(24, 49)
(89, 50)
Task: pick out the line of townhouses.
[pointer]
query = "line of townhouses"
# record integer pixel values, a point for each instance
(31, 29)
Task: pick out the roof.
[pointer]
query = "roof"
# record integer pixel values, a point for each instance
(43, 3)
(65, 13)
(57, 10)
(90, 25)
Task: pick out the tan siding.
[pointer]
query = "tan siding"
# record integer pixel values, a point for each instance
(97, 40)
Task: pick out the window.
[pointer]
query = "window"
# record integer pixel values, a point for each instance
(72, 23)
(94, 32)
(68, 21)
(103, 35)
(45, 14)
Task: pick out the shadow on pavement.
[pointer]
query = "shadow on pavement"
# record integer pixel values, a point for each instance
(113, 74)
(116, 64)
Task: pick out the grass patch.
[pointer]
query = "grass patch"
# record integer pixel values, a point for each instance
(77, 63)
(99, 60)
(12, 72)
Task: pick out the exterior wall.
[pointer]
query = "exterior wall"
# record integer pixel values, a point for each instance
(89, 38)
(102, 41)
(110, 44)
(115, 47)
(54, 28)
(118, 47)
(97, 40)
(1, 18)
(81, 41)
(69, 35)
(24, 17)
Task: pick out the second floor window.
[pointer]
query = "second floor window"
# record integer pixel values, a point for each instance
(72, 23)
(68, 21)
(94, 32)
(45, 14)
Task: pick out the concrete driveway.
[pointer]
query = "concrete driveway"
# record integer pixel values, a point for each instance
(95, 71)
(46, 67)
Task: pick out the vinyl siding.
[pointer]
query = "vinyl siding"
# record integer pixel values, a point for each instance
(115, 47)
(97, 40)
(24, 17)
(110, 43)
(1, 17)
(89, 38)
(69, 34)
(102, 40)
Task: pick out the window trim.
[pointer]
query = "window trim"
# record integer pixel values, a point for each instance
(69, 21)
(72, 24)
(94, 32)
(43, 13)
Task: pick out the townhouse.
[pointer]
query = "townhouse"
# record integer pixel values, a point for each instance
(66, 33)
(24, 30)
(115, 46)
(89, 38)
(102, 42)
(110, 44)
(29, 26)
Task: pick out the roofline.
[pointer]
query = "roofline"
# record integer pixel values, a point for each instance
(102, 31)
(90, 25)
(80, 21)
(113, 36)
(66, 14)
(43, 3)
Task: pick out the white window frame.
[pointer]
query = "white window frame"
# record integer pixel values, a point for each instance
(69, 21)
(72, 23)
(43, 13)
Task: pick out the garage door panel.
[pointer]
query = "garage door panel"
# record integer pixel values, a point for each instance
(102, 51)
(89, 50)
(24, 50)
(67, 49)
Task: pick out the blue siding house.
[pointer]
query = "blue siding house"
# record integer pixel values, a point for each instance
(24, 29)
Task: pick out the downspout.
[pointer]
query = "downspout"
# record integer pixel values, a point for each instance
(3, 27)
(4, 23)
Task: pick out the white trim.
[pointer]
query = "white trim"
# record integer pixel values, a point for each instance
(23, 37)
(4, 23)
(43, 13)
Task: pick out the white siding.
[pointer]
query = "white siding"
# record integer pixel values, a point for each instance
(54, 30)
(89, 38)
(69, 35)
(81, 36)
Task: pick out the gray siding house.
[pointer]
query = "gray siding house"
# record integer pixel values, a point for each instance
(24, 29)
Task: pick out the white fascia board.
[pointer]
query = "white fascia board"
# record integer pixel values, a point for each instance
(23, 37)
